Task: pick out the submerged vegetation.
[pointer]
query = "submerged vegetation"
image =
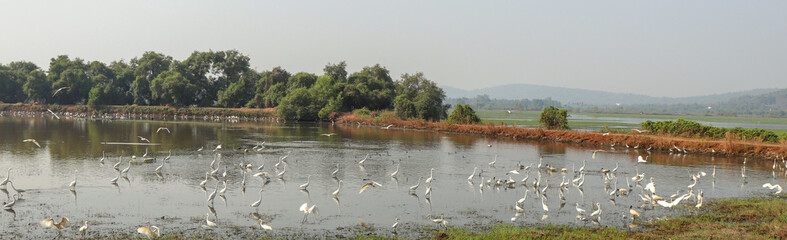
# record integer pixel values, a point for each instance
(684, 128)
(220, 79)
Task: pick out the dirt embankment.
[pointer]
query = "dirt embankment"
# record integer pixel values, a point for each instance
(726, 147)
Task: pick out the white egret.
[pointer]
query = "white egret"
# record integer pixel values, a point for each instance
(117, 165)
(523, 199)
(306, 185)
(200, 148)
(414, 187)
(492, 163)
(336, 193)
(651, 186)
(208, 222)
(699, 200)
(369, 184)
(673, 203)
(308, 210)
(158, 169)
(615, 169)
(264, 226)
(393, 175)
(388, 127)
(598, 210)
(213, 194)
(580, 210)
(125, 170)
(141, 138)
(363, 160)
(50, 223)
(431, 176)
(83, 229)
(642, 160)
(12, 203)
(218, 147)
(395, 224)
(103, 156)
(582, 169)
(257, 203)
(472, 175)
(544, 205)
(73, 184)
(281, 174)
(223, 190)
(773, 186)
(202, 184)
(115, 180)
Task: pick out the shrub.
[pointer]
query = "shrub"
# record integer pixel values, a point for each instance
(554, 118)
(463, 114)
(686, 128)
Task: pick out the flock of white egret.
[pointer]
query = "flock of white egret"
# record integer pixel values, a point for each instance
(533, 178)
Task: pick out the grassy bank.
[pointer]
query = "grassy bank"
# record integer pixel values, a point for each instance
(752, 218)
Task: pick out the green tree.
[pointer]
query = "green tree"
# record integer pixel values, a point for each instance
(300, 80)
(239, 93)
(146, 68)
(300, 104)
(425, 97)
(75, 84)
(337, 71)
(554, 118)
(372, 88)
(463, 114)
(37, 88)
(172, 88)
(269, 79)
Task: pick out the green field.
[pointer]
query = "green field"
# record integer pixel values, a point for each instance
(530, 118)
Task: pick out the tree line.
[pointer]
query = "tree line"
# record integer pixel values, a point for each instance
(221, 79)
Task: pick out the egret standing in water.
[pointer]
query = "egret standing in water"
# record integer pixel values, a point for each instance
(472, 175)
(431, 176)
(362, 160)
(336, 193)
(103, 156)
(414, 187)
(257, 203)
(73, 184)
(306, 185)
(18, 191)
(83, 229)
(393, 175)
(7, 179)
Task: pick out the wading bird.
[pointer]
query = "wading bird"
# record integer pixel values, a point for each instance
(642, 160)
(103, 156)
(336, 193)
(393, 175)
(257, 203)
(362, 160)
(308, 210)
(306, 185)
(431, 176)
(6, 180)
(149, 231)
(414, 187)
(264, 226)
(73, 184)
(50, 223)
(17, 190)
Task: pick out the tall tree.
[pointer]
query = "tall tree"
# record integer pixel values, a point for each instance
(172, 88)
(146, 68)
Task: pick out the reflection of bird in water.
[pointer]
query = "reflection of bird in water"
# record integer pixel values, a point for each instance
(12, 203)
(143, 139)
(30, 140)
(162, 128)
(6, 180)
(19, 191)
(336, 193)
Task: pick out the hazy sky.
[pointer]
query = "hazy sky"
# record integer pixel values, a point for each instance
(658, 48)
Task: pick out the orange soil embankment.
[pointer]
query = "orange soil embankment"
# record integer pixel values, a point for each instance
(726, 147)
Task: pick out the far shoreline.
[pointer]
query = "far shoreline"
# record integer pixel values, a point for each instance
(714, 147)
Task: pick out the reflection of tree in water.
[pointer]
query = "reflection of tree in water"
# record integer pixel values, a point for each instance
(552, 148)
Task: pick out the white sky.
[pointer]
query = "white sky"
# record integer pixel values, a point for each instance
(657, 48)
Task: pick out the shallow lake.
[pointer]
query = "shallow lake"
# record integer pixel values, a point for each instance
(174, 201)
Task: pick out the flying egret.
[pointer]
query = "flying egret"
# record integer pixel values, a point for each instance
(58, 90)
(308, 210)
(30, 140)
(141, 138)
(50, 223)
(642, 160)
(773, 186)
(369, 184)
(163, 128)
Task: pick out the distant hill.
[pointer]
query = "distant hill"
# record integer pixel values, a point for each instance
(591, 97)
(768, 102)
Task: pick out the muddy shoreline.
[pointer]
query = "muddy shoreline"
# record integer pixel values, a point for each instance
(648, 142)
